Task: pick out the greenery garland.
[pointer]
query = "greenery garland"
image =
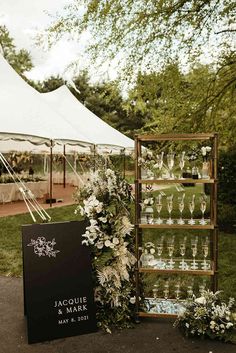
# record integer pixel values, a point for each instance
(104, 200)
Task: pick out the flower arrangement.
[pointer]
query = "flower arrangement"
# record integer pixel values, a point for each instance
(205, 151)
(147, 160)
(207, 316)
(149, 247)
(104, 202)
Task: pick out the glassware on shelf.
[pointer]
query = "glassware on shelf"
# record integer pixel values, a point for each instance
(169, 208)
(191, 206)
(203, 203)
(194, 241)
(181, 208)
(171, 248)
(166, 290)
(155, 291)
(190, 291)
(158, 208)
(159, 164)
(205, 251)
(182, 249)
(177, 291)
(182, 164)
(159, 247)
(170, 163)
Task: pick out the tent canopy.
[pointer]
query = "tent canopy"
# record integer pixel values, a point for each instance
(25, 115)
(83, 120)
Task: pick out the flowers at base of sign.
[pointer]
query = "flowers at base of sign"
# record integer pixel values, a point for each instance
(104, 200)
(207, 316)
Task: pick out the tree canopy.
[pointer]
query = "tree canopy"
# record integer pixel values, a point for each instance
(145, 33)
(20, 60)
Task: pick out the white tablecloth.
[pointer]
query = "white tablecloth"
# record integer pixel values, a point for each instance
(10, 192)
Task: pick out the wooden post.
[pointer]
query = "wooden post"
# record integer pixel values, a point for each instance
(64, 166)
(50, 180)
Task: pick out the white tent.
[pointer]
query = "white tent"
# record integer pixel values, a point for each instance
(25, 115)
(83, 120)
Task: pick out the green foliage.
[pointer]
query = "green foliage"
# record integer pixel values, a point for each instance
(227, 176)
(19, 60)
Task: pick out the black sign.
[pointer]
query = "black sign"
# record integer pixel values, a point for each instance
(58, 291)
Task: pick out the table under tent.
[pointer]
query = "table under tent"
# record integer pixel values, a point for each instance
(27, 115)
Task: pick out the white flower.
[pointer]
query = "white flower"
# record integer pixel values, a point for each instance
(115, 241)
(132, 300)
(152, 251)
(229, 324)
(107, 243)
(187, 324)
(200, 300)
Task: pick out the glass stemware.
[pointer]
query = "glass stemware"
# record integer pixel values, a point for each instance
(155, 291)
(182, 249)
(190, 291)
(205, 250)
(170, 163)
(159, 248)
(202, 288)
(194, 241)
(169, 208)
(181, 164)
(158, 208)
(171, 248)
(159, 164)
(203, 204)
(177, 291)
(181, 208)
(191, 206)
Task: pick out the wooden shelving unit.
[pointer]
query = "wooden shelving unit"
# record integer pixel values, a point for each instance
(211, 225)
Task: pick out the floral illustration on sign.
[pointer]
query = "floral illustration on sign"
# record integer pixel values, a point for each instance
(42, 247)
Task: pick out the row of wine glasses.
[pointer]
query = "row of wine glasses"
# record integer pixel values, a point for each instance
(177, 290)
(159, 162)
(169, 298)
(148, 212)
(150, 260)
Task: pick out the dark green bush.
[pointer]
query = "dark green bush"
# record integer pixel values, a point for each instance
(227, 177)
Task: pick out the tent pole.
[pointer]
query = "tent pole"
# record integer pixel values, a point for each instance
(124, 163)
(94, 158)
(64, 166)
(50, 185)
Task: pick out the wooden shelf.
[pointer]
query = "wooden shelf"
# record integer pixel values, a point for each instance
(145, 314)
(177, 271)
(175, 137)
(176, 181)
(174, 226)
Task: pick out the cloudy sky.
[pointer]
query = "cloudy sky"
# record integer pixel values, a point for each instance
(23, 18)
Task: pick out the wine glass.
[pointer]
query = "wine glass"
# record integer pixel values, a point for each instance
(203, 204)
(155, 291)
(177, 291)
(159, 163)
(181, 164)
(191, 206)
(205, 250)
(182, 249)
(169, 208)
(158, 208)
(181, 208)
(170, 163)
(194, 242)
(159, 248)
(171, 248)
(190, 291)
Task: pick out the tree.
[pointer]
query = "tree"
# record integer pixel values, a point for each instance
(146, 32)
(19, 60)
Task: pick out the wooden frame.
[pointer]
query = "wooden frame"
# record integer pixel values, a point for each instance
(212, 227)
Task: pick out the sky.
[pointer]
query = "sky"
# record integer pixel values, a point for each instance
(23, 18)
